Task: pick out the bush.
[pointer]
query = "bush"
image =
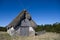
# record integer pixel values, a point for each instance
(49, 28)
(3, 29)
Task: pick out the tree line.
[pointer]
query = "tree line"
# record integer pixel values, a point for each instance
(3, 28)
(49, 27)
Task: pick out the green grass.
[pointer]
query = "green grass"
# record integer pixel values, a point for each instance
(45, 36)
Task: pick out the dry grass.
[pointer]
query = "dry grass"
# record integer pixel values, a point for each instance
(5, 36)
(45, 36)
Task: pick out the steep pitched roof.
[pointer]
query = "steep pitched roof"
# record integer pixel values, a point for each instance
(23, 15)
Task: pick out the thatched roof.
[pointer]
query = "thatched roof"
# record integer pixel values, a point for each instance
(17, 21)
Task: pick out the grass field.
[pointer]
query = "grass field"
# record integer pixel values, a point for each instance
(45, 36)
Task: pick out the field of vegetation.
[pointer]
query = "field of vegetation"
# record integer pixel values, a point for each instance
(45, 36)
(49, 27)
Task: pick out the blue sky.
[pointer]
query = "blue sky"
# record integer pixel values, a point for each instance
(42, 11)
